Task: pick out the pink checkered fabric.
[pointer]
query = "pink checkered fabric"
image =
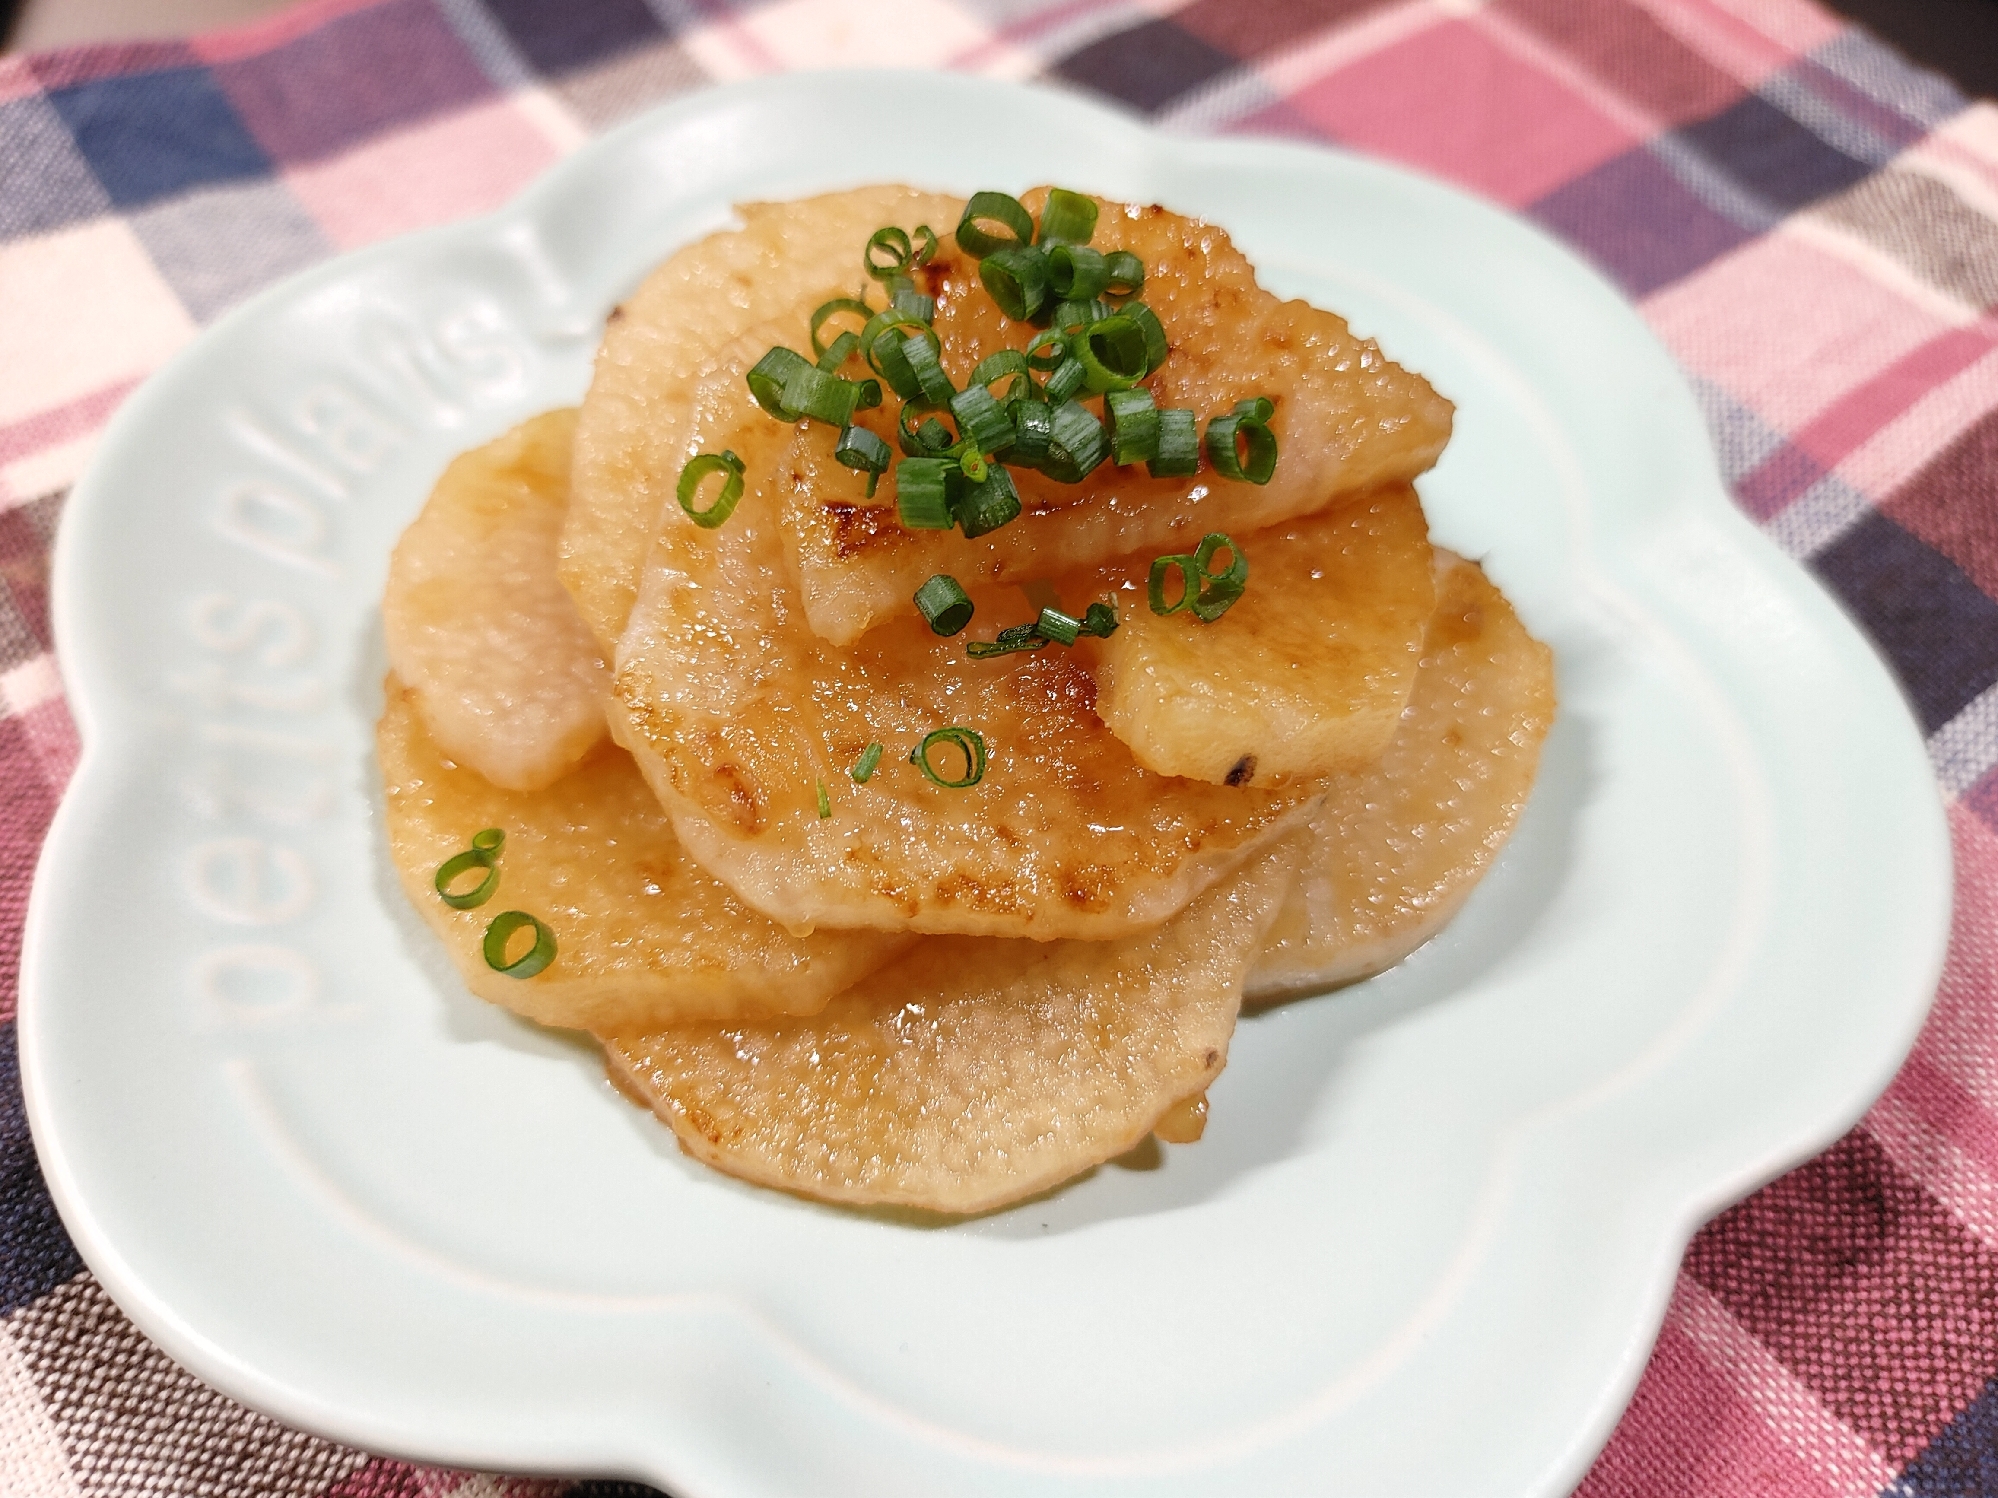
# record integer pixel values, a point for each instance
(1810, 224)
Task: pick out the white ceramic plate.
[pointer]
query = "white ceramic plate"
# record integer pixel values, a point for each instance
(1429, 1237)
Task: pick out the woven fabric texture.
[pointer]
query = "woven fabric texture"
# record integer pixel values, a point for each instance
(1809, 224)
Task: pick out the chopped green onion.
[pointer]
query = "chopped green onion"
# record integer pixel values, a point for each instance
(1240, 445)
(1068, 380)
(1067, 217)
(1256, 408)
(947, 606)
(922, 493)
(1009, 641)
(881, 343)
(861, 450)
(1189, 583)
(1033, 426)
(1017, 279)
(1127, 273)
(809, 391)
(926, 246)
(1134, 426)
(1072, 317)
(921, 353)
(1007, 363)
(1077, 273)
(1076, 445)
(1057, 626)
(1046, 349)
(864, 767)
(922, 435)
(985, 504)
(967, 740)
(473, 857)
(825, 802)
(1179, 446)
(689, 487)
(767, 376)
(980, 421)
(828, 310)
(1156, 346)
(1218, 590)
(1113, 353)
(839, 351)
(888, 253)
(995, 208)
(1100, 619)
(501, 931)
(490, 840)
(913, 303)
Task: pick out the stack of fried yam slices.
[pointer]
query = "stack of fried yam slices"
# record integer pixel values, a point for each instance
(920, 995)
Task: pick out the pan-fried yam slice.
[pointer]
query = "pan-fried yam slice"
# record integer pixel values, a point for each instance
(1396, 848)
(644, 936)
(675, 332)
(969, 1074)
(737, 713)
(1307, 672)
(1347, 419)
(504, 673)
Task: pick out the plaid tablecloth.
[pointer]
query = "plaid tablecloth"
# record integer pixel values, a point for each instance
(1810, 224)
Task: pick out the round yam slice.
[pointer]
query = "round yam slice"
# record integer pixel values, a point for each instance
(1307, 673)
(644, 936)
(675, 332)
(970, 1073)
(1396, 848)
(1348, 419)
(480, 631)
(738, 713)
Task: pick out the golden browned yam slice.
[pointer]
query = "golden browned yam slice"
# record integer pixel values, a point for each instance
(1304, 676)
(1397, 848)
(676, 331)
(738, 713)
(1347, 419)
(970, 1073)
(644, 936)
(507, 678)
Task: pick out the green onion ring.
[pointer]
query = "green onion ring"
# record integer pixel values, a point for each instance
(1076, 273)
(1070, 378)
(1113, 354)
(1016, 278)
(501, 931)
(993, 207)
(473, 857)
(1045, 351)
(1127, 273)
(924, 438)
(1033, 428)
(491, 840)
(946, 606)
(1067, 217)
(1076, 445)
(864, 767)
(926, 246)
(810, 392)
(968, 740)
(922, 493)
(1155, 584)
(914, 303)
(987, 503)
(1156, 345)
(1227, 438)
(827, 311)
(1134, 426)
(1054, 625)
(980, 421)
(1218, 590)
(881, 346)
(767, 376)
(1073, 317)
(864, 452)
(1179, 446)
(921, 353)
(689, 487)
(838, 352)
(896, 242)
(1006, 364)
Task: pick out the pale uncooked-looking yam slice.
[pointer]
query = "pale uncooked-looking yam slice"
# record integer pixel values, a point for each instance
(675, 332)
(970, 1073)
(507, 678)
(1347, 419)
(737, 713)
(644, 936)
(1397, 848)
(1304, 676)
